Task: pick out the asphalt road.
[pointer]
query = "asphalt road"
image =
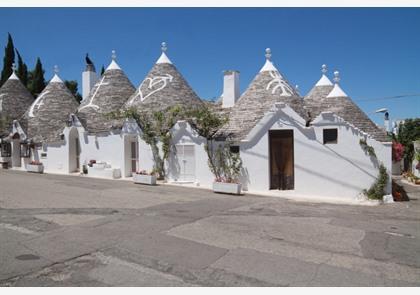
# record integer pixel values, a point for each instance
(78, 231)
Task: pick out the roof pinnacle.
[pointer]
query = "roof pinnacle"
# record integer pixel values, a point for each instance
(56, 70)
(164, 47)
(268, 53)
(114, 55)
(324, 69)
(336, 77)
(13, 67)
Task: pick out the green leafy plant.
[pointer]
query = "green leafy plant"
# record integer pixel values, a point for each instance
(229, 164)
(206, 123)
(155, 128)
(408, 132)
(377, 190)
(367, 148)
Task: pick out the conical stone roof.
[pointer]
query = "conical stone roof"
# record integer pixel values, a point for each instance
(339, 103)
(267, 88)
(15, 99)
(48, 115)
(163, 87)
(108, 95)
(318, 93)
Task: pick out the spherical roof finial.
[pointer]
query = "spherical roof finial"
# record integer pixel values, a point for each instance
(56, 70)
(13, 67)
(324, 69)
(164, 47)
(268, 53)
(114, 55)
(336, 76)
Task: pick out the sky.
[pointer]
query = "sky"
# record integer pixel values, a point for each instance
(376, 50)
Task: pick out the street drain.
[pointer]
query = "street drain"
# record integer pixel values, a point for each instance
(27, 257)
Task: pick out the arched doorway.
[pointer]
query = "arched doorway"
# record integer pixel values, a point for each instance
(16, 159)
(74, 150)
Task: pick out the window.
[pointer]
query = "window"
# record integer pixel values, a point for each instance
(25, 150)
(234, 149)
(6, 149)
(330, 136)
(43, 155)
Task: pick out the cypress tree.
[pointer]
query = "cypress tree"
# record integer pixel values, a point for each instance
(102, 70)
(8, 60)
(72, 86)
(37, 81)
(22, 70)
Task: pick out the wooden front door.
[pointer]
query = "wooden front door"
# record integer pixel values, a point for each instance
(134, 156)
(77, 143)
(281, 160)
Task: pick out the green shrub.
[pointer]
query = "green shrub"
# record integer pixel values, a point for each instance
(367, 148)
(377, 190)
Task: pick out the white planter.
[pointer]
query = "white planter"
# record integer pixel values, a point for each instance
(99, 166)
(35, 168)
(396, 168)
(144, 179)
(227, 188)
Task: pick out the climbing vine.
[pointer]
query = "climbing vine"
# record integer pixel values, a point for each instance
(377, 190)
(367, 148)
(155, 128)
(223, 163)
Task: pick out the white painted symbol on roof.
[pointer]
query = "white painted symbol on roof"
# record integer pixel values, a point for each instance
(163, 80)
(279, 82)
(37, 103)
(90, 104)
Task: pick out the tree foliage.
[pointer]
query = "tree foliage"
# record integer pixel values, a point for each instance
(73, 87)
(377, 190)
(36, 79)
(223, 163)
(8, 60)
(155, 127)
(408, 132)
(227, 163)
(22, 69)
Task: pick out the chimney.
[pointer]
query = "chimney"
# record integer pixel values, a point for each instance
(231, 89)
(89, 79)
(386, 122)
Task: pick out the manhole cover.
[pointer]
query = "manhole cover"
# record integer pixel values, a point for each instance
(27, 257)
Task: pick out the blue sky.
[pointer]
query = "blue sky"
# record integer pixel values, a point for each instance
(377, 50)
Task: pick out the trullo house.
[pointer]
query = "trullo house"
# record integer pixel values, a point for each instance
(15, 99)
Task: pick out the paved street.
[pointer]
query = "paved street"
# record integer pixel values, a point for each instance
(79, 231)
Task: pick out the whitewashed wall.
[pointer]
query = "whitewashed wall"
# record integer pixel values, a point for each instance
(57, 157)
(182, 133)
(339, 170)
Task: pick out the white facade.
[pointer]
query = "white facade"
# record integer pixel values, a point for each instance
(340, 170)
(188, 162)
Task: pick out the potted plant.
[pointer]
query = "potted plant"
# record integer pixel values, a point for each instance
(227, 186)
(144, 177)
(35, 167)
(229, 166)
